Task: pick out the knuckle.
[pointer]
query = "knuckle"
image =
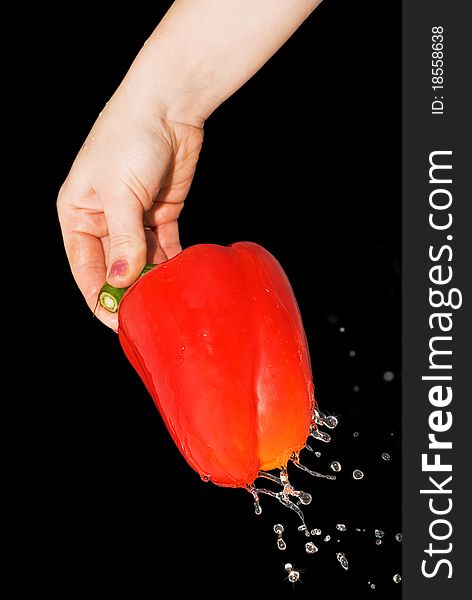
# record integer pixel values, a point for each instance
(124, 241)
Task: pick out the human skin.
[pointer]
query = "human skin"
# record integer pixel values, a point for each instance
(119, 205)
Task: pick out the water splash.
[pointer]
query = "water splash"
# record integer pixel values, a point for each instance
(322, 436)
(397, 578)
(257, 503)
(319, 418)
(270, 477)
(295, 499)
(296, 461)
(282, 498)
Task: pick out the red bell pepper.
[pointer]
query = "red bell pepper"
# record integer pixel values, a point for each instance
(216, 335)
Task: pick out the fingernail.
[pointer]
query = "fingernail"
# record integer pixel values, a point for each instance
(118, 268)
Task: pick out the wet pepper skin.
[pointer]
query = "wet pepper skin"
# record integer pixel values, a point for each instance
(216, 335)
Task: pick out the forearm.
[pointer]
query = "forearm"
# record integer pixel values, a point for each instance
(204, 50)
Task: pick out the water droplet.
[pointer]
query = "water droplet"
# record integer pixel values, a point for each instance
(293, 576)
(372, 586)
(308, 447)
(302, 528)
(399, 537)
(342, 330)
(352, 353)
(357, 474)
(205, 478)
(342, 560)
(388, 376)
(281, 545)
(335, 466)
(356, 388)
(378, 542)
(358, 529)
(288, 567)
(267, 290)
(327, 538)
(397, 578)
(317, 454)
(331, 421)
(316, 532)
(386, 456)
(278, 528)
(379, 533)
(356, 434)
(341, 527)
(310, 548)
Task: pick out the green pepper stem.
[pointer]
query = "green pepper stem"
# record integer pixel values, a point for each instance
(110, 296)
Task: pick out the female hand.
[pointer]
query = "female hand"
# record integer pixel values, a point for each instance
(119, 205)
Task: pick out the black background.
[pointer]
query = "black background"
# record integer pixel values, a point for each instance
(305, 160)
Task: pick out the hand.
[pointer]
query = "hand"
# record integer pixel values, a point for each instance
(120, 202)
(119, 205)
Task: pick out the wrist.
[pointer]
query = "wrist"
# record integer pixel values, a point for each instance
(165, 87)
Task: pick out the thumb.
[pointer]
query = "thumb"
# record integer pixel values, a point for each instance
(127, 241)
